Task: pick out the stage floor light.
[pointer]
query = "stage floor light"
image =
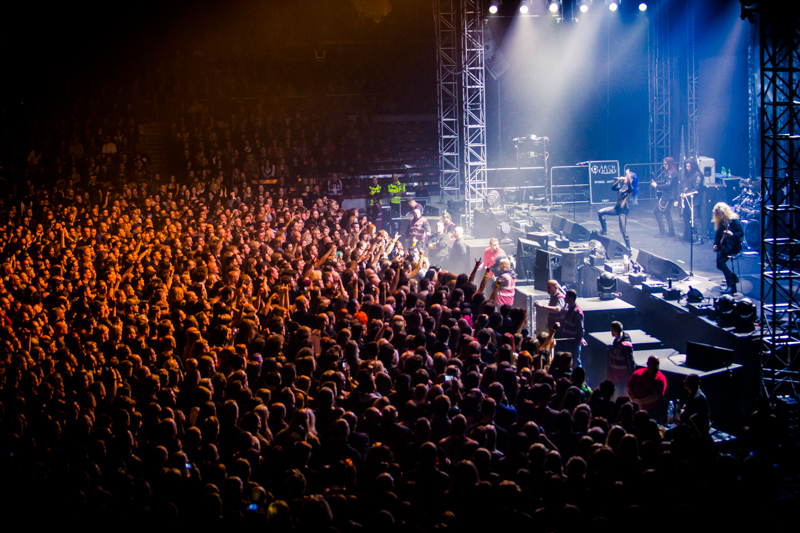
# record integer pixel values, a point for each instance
(642, 7)
(613, 6)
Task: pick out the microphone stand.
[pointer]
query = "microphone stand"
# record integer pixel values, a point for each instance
(574, 199)
(691, 242)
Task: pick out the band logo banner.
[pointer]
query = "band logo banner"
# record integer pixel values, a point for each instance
(602, 175)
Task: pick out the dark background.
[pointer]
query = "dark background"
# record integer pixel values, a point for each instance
(583, 84)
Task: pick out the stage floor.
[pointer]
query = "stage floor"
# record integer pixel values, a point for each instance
(642, 228)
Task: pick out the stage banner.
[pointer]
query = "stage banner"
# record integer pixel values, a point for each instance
(602, 175)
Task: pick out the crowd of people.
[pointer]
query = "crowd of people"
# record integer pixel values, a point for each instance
(228, 345)
(174, 351)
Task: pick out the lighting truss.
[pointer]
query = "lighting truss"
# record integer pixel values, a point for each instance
(659, 81)
(474, 101)
(448, 77)
(691, 80)
(779, 28)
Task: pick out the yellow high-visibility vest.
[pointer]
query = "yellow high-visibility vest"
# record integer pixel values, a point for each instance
(374, 191)
(394, 189)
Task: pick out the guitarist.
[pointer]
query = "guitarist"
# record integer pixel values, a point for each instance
(667, 193)
(727, 242)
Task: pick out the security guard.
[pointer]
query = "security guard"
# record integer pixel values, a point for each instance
(374, 192)
(396, 190)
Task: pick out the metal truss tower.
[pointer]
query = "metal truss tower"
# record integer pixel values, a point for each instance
(474, 99)
(448, 77)
(779, 27)
(660, 80)
(753, 96)
(691, 80)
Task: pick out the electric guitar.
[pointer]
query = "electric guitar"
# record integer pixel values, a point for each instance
(729, 244)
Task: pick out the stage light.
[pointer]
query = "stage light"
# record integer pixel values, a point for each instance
(607, 286)
(725, 307)
(523, 7)
(554, 5)
(613, 4)
(585, 5)
(746, 315)
(642, 7)
(494, 5)
(502, 233)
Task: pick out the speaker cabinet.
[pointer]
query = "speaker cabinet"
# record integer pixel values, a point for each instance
(660, 268)
(526, 257)
(615, 250)
(571, 263)
(456, 207)
(575, 232)
(547, 267)
(431, 211)
(557, 224)
(542, 238)
(706, 357)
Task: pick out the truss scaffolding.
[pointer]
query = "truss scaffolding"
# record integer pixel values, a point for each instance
(448, 78)
(779, 28)
(659, 81)
(474, 91)
(691, 81)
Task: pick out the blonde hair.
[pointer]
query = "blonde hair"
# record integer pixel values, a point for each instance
(722, 215)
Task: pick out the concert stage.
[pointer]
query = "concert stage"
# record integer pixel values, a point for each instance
(665, 326)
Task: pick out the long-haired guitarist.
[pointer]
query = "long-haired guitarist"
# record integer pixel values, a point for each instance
(667, 195)
(727, 242)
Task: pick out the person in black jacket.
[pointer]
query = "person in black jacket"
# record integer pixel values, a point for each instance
(627, 187)
(458, 252)
(727, 242)
(692, 184)
(667, 197)
(696, 412)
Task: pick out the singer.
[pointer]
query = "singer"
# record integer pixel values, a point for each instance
(627, 187)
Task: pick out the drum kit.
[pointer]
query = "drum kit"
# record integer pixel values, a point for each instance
(748, 206)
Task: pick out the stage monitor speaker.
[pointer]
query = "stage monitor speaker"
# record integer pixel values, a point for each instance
(475, 249)
(575, 232)
(706, 357)
(527, 225)
(526, 257)
(571, 262)
(615, 250)
(557, 224)
(660, 268)
(431, 211)
(456, 207)
(543, 238)
(547, 267)
(527, 248)
(484, 225)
